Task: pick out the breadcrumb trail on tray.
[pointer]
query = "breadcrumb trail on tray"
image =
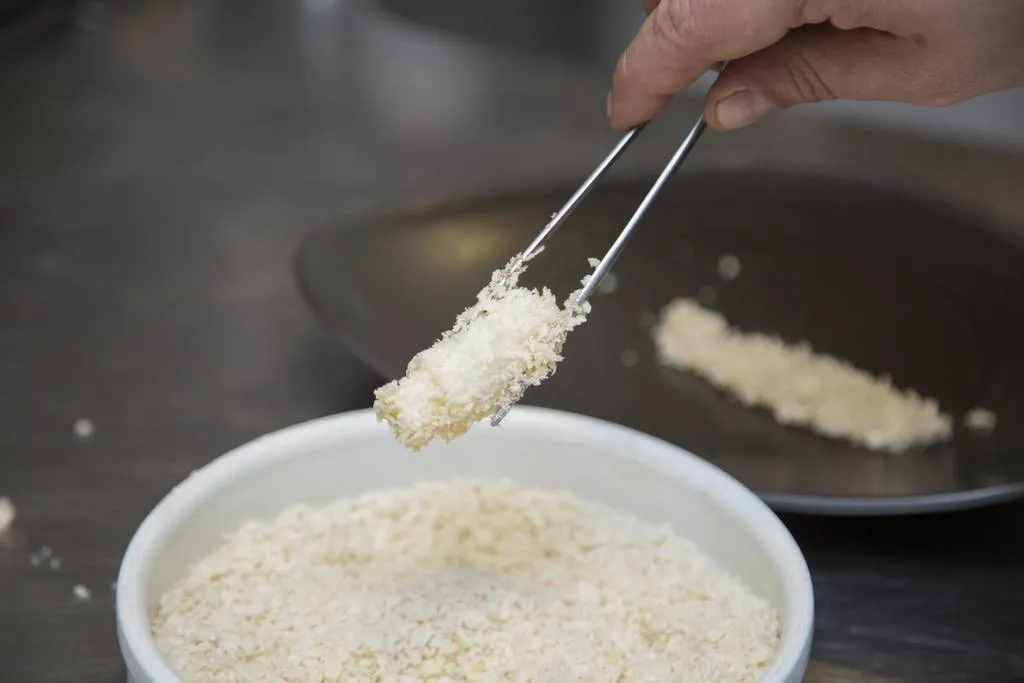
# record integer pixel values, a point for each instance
(797, 385)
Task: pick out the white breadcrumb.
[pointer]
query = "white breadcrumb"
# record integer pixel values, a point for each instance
(84, 428)
(488, 582)
(797, 385)
(729, 267)
(509, 340)
(7, 514)
(81, 592)
(45, 554)
(980, 420)
(630, 358)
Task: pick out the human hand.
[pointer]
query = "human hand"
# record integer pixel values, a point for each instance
(786, 52)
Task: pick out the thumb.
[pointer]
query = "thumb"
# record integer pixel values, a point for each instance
(680, 40)
(812, 64)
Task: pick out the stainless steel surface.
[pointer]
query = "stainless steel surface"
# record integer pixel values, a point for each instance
(158, 166)
(580, 31)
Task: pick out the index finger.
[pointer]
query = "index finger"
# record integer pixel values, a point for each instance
(681, 39)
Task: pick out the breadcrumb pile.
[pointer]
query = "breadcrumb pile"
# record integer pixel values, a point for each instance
(462, 581)
(797, 385)
(509, 340)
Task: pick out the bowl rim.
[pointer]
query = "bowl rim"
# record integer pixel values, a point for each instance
(132, 611)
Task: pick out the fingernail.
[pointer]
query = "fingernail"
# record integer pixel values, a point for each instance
(608, 105)
(741, 109)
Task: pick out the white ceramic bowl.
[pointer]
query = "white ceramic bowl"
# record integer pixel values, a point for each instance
(321, 461)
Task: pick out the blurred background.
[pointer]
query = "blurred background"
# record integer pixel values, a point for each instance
(162, 161)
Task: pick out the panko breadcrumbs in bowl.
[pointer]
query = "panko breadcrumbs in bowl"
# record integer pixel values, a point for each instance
(556, 548)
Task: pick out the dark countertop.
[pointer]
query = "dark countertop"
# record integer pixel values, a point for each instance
(158, 166)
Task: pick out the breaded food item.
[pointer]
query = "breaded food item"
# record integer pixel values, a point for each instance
(509, 340)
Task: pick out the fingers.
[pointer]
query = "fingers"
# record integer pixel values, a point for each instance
(649, 5)
(817, 63)
(681, 39)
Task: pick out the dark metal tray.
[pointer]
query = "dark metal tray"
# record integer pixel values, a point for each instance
(895, 283)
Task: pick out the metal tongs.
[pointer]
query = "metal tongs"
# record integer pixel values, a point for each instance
(617, 247)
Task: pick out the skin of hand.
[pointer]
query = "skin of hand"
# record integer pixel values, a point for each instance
(787, 52)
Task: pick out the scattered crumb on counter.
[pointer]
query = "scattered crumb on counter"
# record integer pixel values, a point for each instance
(81, 592)
(980, 420)
(7, 514)
(55, 563)
(84, 428)
(729, 267)
(797, 385)
(648, 319)
(630, 358)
